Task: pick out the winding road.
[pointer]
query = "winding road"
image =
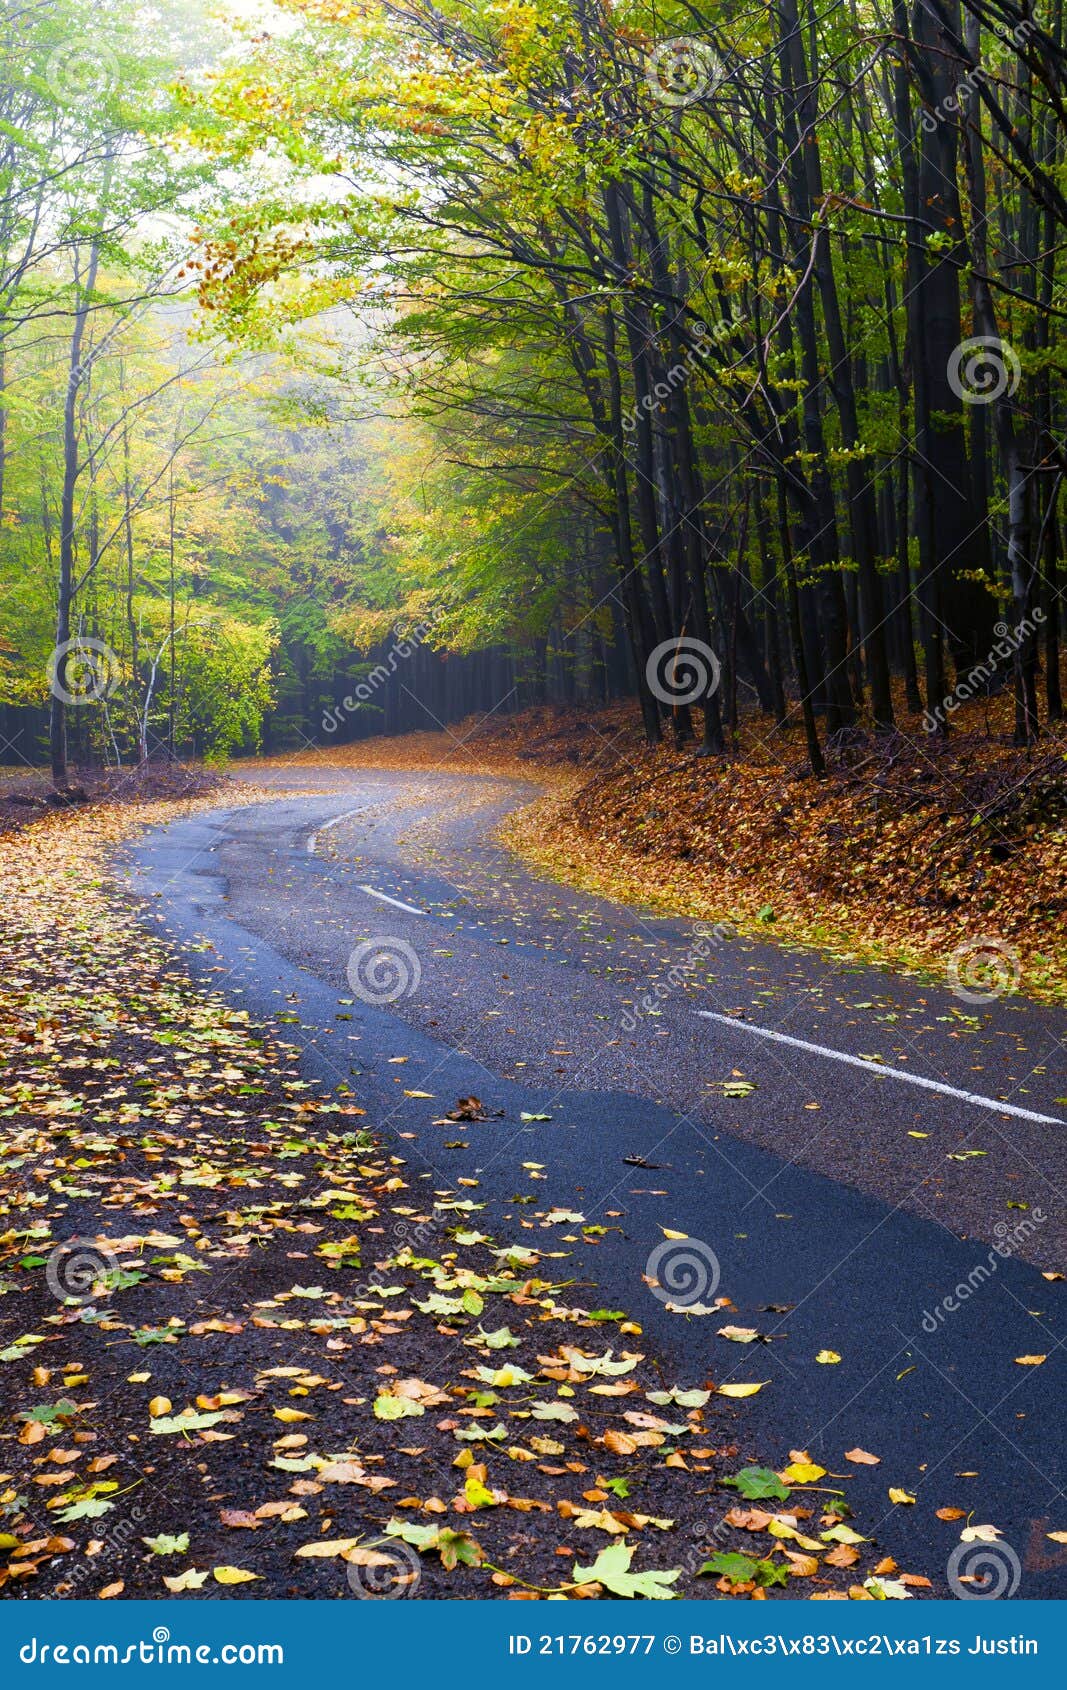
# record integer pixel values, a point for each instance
(866, 1165)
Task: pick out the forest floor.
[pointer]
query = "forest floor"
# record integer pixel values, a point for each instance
(241, 1346)
(28, 794)
(913, 852)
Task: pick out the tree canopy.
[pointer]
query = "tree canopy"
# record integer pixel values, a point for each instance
(706, 353)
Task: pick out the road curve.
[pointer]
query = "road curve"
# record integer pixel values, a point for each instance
(695, 1082)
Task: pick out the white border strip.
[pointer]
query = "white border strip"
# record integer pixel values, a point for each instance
(410, 909)
(883, 1070)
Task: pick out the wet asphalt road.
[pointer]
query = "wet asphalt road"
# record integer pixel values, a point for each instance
(839, 1209)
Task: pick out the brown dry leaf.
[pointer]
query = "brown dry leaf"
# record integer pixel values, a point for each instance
(801, 1566)
(619, 1443)
(344, 1473)
(843, 1555)
(950, 1513)
(749, 1519)
(862, 1457)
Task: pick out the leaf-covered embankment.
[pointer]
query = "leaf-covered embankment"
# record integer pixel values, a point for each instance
(909, 848)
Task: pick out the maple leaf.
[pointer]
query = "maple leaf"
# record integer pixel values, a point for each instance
(612, 1569)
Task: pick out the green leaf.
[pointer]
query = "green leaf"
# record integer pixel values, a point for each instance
(165, 1545)
(758, 1482)
(90, 1508)
(742, 1569)
(612, 1569)
(453, 1547)
(501, 1339)
(397, 1408)
(172, 1423)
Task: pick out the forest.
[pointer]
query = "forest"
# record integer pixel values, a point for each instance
(532, 825)
(453, 358)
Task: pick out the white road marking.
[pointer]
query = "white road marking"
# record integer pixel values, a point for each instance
(882, 1069)
(396, 903)
(371, 891)
(335, 821)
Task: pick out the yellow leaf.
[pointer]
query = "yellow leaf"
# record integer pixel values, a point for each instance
(742, 1390)
(669, 1233)
(233, 1575)
(291, 1414)
(803, 1473)
(828, 1357)
(159, 1406)
(782, 1528)
(1057, 1537)
(1029, 1361)
(332, 1546)
(898, 1495)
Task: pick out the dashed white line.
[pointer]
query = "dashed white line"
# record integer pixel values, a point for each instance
(372, 892)
(883, 1069)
